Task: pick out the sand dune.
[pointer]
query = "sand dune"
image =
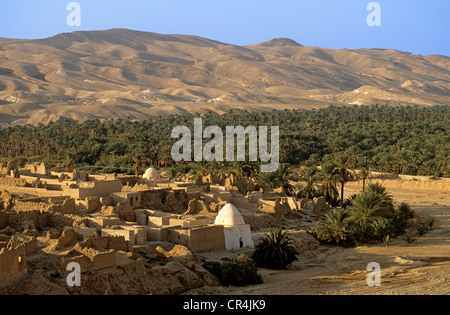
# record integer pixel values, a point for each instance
(83, 75)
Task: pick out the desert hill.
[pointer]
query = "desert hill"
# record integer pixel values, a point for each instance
(121, 73)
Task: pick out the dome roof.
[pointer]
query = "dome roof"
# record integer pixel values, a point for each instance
(151, 173)
(229, 216)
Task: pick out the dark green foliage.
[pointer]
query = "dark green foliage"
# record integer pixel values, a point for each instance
(335, 228)
(405, 210)
(308, 189)
(275, 251)
(424, 228)
(239, 271)
(214, 267)
(369, 216)
(409, 238)
(408, 140)
(280, 178)
(429, 224)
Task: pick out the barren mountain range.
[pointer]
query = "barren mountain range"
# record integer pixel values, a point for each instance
(121, 73)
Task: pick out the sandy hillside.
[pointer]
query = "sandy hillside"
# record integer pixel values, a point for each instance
(420, 268)
(120, 73)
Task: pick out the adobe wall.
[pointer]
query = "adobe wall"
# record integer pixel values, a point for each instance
(207, 238)
(117, 243)
(40, 192)
(13, 182)
(417, 185)
(99, 259)
(29, 242)
(129, 180)
(128, 235)
(100, 189)
(134, 198)
(12, 264)
(24, 206)
(176, 236)
(140, 232)
(66, 207)
(275, 206)
(189, 223)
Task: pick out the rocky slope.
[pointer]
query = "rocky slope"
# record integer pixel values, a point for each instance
(121, 73)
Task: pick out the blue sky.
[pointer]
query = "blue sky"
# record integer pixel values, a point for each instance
(416, 26)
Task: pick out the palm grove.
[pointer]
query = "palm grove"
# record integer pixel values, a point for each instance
(326, 144)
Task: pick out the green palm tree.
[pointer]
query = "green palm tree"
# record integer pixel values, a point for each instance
(442, 160)
(275, 251)
(387, 202)
(335, 227)
(201, 168)
(329, 177)
(309, 176)
(284, 176)
(364, 172)
(342, 164)
(220, 167)
(365, 208)
(267, 180)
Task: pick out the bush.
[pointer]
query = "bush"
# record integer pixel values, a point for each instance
(239, 271)
(275, 251)
(409, 238)
(422, 230)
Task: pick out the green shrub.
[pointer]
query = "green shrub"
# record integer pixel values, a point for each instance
(429, 224)
(387, 239)
(405, 210)
(239, 271)
(409, 238)
(214, 267)
(422, 230)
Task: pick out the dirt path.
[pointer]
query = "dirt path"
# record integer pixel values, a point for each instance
(420, 268)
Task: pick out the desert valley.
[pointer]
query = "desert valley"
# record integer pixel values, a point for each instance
(93, 202)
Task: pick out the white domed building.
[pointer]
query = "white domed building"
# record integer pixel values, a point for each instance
(237, 233)
(151, 174)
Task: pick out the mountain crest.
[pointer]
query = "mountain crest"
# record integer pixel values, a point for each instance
(280, 42)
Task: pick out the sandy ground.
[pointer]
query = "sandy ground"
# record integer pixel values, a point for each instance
(406, 269)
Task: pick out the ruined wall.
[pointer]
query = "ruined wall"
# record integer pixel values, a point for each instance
(134, 198)
(12, 264)
(41, 192)
(275, 206)
(176, 236)
(166, 200)
(117, 243)
(99, 259)
(98, 189)
(13, 182)
(35, 220)
(66, 207)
